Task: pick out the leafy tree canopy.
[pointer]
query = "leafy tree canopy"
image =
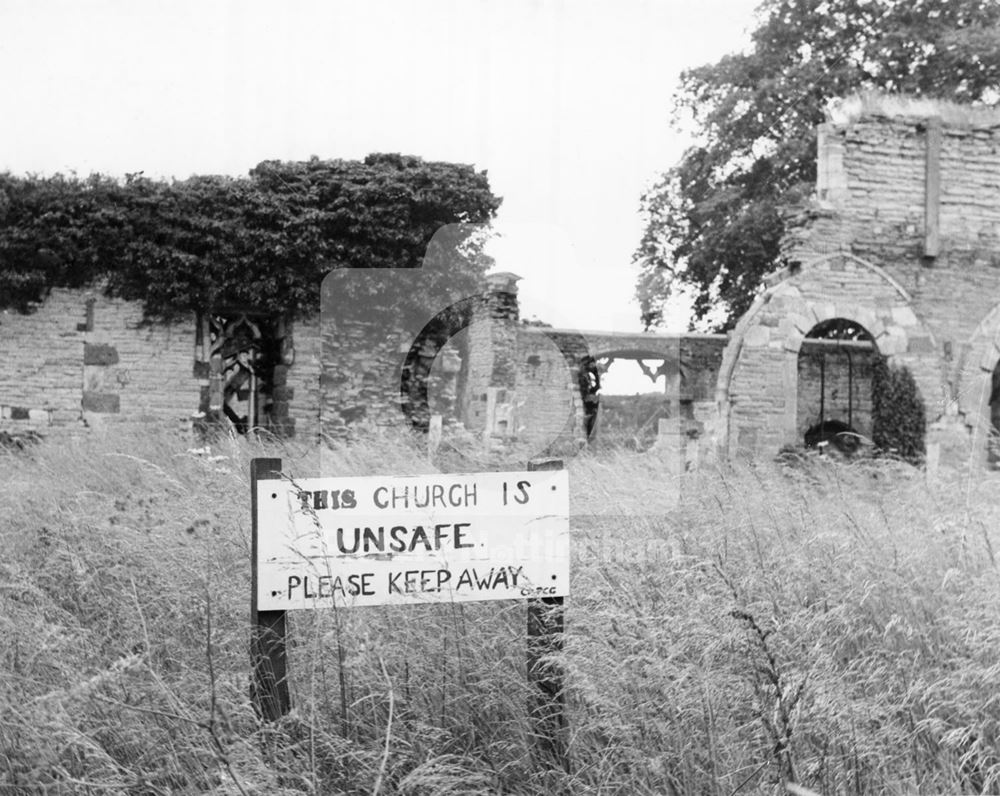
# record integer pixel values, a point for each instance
(713, 220)
(264, 241)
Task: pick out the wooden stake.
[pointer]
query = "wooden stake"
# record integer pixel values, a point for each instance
(268, 661)
(545, 628)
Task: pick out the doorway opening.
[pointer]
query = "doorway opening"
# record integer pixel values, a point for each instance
(243, 352)
(993, 443)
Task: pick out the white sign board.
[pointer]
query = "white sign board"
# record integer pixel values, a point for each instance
(399, 540)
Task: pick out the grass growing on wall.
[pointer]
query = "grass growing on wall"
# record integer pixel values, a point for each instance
(835, 626)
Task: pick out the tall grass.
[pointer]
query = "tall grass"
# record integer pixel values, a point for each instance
(730, 631)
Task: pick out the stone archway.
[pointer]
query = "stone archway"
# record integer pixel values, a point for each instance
(757, 384)
(974, 384)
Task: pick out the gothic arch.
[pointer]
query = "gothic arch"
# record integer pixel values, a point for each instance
(756, 388)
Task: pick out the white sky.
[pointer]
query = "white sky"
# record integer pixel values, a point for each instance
(565, 102)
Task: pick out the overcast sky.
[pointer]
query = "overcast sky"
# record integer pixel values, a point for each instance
(565, 103)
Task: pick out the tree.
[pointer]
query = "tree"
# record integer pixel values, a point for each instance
(713, 221)
(264, 242)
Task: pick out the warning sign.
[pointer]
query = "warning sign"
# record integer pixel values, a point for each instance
(406, 539)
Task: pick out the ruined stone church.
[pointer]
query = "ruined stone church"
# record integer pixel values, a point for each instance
(900, 242)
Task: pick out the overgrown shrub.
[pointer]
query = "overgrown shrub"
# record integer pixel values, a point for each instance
(898, 416)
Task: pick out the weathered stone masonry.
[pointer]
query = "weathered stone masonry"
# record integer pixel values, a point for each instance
(902, 237)
(833, 378)
(82, 359)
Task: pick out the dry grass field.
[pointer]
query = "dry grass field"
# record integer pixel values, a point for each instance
(834, 626)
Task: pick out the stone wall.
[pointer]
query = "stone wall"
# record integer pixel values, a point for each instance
(549, 402)
(919, 197)
(41, 381)
(301, 380)
(81, 359)
(491, 355)
(549, 405)
(357, 373)
(758, 381)
(901, 236)
(701, 359)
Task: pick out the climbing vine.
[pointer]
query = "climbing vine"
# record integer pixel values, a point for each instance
(264, 241)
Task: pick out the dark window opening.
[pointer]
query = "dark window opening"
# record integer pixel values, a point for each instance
(244, 352)
(835, 378)
(839, 329)
(589, 381)
(993, 443)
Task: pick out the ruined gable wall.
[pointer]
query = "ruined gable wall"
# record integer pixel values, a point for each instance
(872, 200)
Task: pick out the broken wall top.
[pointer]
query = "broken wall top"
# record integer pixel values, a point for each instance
(902, 180)
(873, 105)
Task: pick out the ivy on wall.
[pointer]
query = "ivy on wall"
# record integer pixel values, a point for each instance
(898, 417)
(264, 241)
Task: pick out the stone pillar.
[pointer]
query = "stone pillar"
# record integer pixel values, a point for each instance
(671, 439)
(492, 373)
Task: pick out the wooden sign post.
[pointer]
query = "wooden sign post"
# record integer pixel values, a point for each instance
(404, 540)
(545, 639)
(268, 661)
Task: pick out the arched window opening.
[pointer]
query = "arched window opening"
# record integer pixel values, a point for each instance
(840, 329)
(835, 373)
